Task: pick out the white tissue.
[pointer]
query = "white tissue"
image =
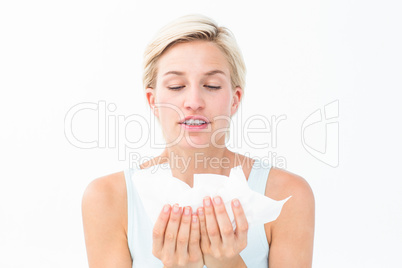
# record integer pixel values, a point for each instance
(159, 188)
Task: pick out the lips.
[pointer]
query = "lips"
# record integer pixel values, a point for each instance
(195, 117)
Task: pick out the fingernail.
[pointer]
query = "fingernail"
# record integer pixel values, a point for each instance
(194, 218)
(207, 201)
(200, 212)
(186, 211)
(217, 200)
(166, 208)
(236, 203)
(175, 209)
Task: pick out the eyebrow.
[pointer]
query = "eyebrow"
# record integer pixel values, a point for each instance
(206, 74)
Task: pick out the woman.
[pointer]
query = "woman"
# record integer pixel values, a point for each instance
(194, 77)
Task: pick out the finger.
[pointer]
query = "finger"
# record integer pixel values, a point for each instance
(241, 224)
(205, 243)
(194, 249)
(183, 235)
(211, 223)
(169, 245)
(224, 223)
(158, 232)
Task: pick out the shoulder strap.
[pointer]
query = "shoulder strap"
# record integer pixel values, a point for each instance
(257, 180)
(130, 206)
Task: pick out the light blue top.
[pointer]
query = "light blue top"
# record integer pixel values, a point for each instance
(139, 233)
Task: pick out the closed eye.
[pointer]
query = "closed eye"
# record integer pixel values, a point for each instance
(212, 87)
(176, 88)
(207, 86)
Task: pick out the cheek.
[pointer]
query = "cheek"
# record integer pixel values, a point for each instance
(166, 105)
(225, 104)
(164, 96)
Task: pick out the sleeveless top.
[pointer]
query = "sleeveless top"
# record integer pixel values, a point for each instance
(139, 233)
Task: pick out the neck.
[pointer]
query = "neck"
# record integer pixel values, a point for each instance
(185, 163)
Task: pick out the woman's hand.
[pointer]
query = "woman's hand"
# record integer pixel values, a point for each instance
(221, 245)
(176, 238)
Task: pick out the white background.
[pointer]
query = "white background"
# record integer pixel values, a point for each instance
(300, 55)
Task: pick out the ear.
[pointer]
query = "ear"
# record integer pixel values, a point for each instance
(237, 95)
(150, 95)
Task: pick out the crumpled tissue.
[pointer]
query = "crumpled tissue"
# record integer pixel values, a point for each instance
(159, 188)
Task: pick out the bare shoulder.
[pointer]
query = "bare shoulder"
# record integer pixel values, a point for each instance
(111, 183)
(106, 192)
(104, 215)
(291, 235)
(282, 183)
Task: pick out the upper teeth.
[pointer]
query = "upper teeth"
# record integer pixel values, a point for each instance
(194, 122)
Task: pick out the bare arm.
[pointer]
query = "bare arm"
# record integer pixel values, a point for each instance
(292, 234)
(104, 207)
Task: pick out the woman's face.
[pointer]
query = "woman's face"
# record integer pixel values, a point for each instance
(193, 82)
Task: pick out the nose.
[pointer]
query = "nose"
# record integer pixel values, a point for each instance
(194, 99)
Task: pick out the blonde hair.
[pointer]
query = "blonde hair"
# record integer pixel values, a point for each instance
(190, 28)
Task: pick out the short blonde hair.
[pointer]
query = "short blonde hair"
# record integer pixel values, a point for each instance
(190, 28)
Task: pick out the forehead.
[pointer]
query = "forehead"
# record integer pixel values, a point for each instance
(193, 57)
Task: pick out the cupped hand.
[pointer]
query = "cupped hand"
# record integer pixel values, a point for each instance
(221, 245)
(176, 238)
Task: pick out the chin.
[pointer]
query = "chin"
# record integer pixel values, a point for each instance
(192, 143)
